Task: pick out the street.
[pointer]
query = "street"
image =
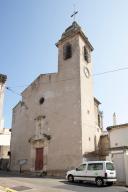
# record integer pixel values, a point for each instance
(39, 184)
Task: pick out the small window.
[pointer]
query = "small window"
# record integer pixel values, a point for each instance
(86, 55)
(95, 166)
(67, 51)
(41, 101)
(99, 120)
(110, 166)
(90, 166)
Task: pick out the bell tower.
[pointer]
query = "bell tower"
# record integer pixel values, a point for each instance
(2, 88)
(70, 51)
(74, 62)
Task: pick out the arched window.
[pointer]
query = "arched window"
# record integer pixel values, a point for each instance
(67, 51)
(86, 55)
(99, 120)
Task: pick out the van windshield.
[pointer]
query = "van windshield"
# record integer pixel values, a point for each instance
(110, 166)
(81, 167)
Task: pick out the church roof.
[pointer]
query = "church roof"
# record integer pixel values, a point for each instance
(71, 31)
(117, 126)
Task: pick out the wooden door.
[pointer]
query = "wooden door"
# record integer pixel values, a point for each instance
(39, 159)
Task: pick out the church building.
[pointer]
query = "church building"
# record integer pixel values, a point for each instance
(57, 123)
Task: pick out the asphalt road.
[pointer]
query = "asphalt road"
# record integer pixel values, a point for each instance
(26, 184)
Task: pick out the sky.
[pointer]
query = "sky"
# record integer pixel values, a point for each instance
(29, 30)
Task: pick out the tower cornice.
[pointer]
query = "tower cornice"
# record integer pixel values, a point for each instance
(71, 31)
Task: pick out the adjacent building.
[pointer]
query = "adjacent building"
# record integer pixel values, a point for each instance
(118, 138)
(4, 132)
(58, 121)
(2, 89)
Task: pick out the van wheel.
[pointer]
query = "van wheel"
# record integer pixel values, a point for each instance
(99, 181)
(70, 178)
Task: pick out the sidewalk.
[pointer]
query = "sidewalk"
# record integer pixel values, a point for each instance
(2, 189)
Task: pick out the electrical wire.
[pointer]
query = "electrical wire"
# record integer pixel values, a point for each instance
(97, 74)
(9, 89)
(112, 71)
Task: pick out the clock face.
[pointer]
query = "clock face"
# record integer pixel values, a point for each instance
(86, 72)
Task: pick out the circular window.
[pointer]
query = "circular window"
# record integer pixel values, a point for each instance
(41, 101)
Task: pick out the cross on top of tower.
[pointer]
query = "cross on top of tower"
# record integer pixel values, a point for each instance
(74, 13)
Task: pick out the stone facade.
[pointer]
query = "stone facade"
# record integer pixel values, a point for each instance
(56, 117)
(104, 146)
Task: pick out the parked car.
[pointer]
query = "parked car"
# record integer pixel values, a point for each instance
(100, 172)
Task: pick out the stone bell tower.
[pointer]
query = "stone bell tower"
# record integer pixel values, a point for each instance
(74, 63)
(2, 88)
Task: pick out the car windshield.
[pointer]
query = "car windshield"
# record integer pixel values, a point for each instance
(110, 166)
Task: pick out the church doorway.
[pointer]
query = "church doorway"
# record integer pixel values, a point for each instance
(39, 159)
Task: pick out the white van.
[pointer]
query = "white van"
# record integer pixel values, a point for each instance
(100, 172)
